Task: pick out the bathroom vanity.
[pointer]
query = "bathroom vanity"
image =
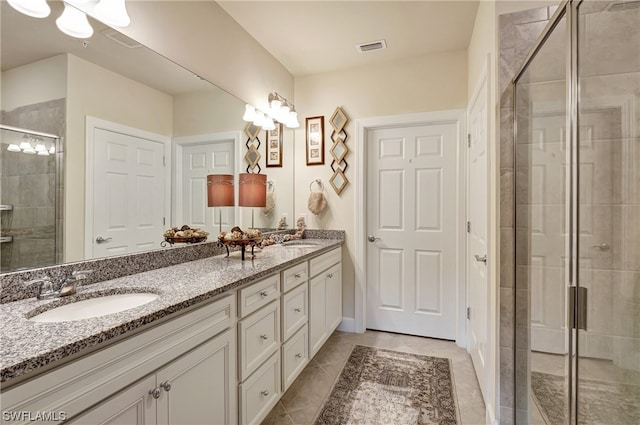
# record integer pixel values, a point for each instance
(219, 345)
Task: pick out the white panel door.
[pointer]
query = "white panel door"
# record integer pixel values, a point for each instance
(128, 193)
(411, 208)
(197, 162)
(477, 249)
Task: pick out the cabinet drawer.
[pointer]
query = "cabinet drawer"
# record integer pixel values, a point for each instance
(294, 276)
(259, 294)
(295, 356)
(260, 392)
(294, 310)
(259, 337)
(324, 261)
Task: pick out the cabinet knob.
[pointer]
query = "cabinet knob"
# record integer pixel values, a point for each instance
(297, 310)
(166, 385)
(264, 336)
(297, 275)
(265, 393)
(155, 393)
(298, 355)
(264, 293)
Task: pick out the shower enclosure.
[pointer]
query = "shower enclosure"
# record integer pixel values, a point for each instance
(577, 218)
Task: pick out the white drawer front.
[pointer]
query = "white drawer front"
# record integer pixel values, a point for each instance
(259, 337)
(324, 261)
(294, 310)
(295, 356)
(258, 294)
(294, 276)
(260, 392)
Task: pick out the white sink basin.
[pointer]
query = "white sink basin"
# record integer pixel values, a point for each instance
(94, 307)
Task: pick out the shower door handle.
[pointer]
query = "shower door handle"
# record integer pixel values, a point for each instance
(100, 239)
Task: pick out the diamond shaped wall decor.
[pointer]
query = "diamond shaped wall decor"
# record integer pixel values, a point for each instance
(339, 150)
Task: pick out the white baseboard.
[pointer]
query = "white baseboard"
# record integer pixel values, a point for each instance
(348, 324)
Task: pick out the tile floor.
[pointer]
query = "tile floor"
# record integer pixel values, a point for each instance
(302, 401)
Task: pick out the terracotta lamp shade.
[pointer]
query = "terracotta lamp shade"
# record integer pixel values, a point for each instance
(220, 190)
(253, 190)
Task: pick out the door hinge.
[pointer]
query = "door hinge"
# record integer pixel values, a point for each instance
(468, 227)
(468, 313)
(468, 140)
(578, 307)
(164, 221)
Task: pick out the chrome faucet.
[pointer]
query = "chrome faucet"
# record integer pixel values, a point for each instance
(44, 286)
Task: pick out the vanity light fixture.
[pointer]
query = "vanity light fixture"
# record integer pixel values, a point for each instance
(280, 109)
(249, 113)
(112, 12)
(74, 22)
(34, 8)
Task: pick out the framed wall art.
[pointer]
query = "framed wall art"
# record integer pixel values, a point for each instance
(315, 140)
(274, 146)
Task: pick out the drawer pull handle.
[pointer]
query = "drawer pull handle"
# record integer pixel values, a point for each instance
(298, 355)
(330, 275)
(264, 336)
(297, 310)
(166, 385)
(297, 275)
(265, 393)
(155, 393)
(264, 293)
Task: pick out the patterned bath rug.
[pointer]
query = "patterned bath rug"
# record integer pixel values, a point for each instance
(598, 402)
(384, 387)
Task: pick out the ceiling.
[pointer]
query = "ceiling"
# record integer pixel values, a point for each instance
(310, 37)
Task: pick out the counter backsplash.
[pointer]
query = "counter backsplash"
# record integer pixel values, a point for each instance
(12, 286)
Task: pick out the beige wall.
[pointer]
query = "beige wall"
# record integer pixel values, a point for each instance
(103, 94)
(34, 83)
(206, 40)
(431, 83)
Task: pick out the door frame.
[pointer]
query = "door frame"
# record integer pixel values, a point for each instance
(363, 125)
(93, 123)
(179, 143)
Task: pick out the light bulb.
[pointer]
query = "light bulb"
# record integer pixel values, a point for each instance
(292, 121)
(269, 124)
(112, 12)
(34, 8)
(13, 148)
(74, 22)
(52, 149)
(25, 145)
(30, 151)
(259, 121)
(40, 147)
(249, 113)
(283, 114)
(43, 153)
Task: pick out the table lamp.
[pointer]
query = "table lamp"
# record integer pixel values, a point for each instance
(252, 191)
(220, 192)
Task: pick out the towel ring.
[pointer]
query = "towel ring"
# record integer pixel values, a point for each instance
(271, 187)
(320, 185)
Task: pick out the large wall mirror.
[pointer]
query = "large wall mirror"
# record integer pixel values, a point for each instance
(105, 144)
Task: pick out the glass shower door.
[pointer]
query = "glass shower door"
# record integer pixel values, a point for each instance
(542, 195)
(608, 377)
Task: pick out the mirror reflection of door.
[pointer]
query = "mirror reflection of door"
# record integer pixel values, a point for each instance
(128, 194)
(197, 162)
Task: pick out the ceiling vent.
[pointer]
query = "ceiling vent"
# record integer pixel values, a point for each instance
(623, 5)
(120, 38)
(374, 45)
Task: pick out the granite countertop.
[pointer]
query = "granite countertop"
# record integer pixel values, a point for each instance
(27, 346)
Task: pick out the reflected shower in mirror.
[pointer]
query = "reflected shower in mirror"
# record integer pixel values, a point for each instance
(138, 135)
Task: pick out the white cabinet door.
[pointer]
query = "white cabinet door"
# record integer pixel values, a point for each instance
(200, 387)
(333, 281)
(133, 406)
(317, 313)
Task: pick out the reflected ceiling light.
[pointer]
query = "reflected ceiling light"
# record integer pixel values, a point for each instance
(74, 22)
(52, 149)
(14, 148)
(29, 151)
(35, 8)
(25, 145)
(112, 12)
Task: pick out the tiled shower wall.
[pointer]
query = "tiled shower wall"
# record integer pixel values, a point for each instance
(517, 35)
(34, 185)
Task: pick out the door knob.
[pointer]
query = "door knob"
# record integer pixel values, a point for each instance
(602, 247)
(480, 259)
(372, 238)
(100, 239)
